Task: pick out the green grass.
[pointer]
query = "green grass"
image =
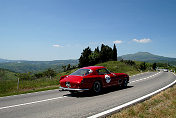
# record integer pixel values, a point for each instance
(119, 67)
(162, 105)
(8, 84)
(9, 87)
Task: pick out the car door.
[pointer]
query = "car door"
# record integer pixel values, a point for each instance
(108, 78)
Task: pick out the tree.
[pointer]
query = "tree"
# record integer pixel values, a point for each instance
(38, 75)
(114, 53)
(142, 66)
(154, 66)
(94, 57)
(89, 57)
(68, 67)
(24, 76)
(50, 73)
(106, 53)
(64, 68)
(97, 50)
(84, 59)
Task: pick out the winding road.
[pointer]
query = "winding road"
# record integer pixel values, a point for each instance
(58, 104)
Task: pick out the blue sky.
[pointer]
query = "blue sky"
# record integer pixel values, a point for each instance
(61, 29)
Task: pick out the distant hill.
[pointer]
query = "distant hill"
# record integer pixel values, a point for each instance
(4, 60)
(23, 66)
(148, 57)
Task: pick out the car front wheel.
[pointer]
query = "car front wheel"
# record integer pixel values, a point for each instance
(125, 83)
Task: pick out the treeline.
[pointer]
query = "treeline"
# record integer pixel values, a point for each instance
(29, 76)
(89, 57)
(143, 66)
(68, 67)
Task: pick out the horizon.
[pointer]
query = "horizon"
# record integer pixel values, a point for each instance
(78, 58)
(59, 30)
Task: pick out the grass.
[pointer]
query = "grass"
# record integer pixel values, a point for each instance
(119, 67)
(9, 87)
(162, 105)
(8, 84)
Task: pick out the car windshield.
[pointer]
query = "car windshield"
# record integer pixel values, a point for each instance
(82, 72)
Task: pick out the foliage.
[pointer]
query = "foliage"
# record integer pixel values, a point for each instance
(89, 57)
(129, 62)
(49, 73)
(84, 59)
(68, 67)
(114, 51)
(120, 67)
(154, 66)
(38, 75)
(24, 76)
(29, 76)
(142, 66)
(106, 53)
(64, 68)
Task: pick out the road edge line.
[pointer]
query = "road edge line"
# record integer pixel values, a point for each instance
(29, 103)
(118, 108)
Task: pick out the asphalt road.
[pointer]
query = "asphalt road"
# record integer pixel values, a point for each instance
(56, 104)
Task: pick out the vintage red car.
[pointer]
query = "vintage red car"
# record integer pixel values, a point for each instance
(92, 78)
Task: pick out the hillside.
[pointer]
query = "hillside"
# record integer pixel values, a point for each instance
(6, 74)
(34, 66)
(9, 85)
(120, 67)
(148, 57)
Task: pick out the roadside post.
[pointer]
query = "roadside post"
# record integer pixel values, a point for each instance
(18, 84)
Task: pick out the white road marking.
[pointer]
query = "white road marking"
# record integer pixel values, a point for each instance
(138, 74)
(144, 78)
(31, 93)
(131, 102)
(17, 105)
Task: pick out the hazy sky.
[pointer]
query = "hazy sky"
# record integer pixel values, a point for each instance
(61, 29)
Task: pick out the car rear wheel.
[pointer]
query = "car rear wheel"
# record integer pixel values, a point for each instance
(96, 87)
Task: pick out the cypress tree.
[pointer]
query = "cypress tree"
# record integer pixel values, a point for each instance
(114, 51)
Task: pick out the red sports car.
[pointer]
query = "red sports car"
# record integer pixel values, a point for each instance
(92, 78)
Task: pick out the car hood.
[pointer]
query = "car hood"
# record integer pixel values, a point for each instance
(120, 74)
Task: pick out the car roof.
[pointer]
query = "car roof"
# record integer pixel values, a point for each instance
(93, 67)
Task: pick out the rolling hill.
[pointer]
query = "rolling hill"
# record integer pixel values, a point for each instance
(23, 66)
(148, 57)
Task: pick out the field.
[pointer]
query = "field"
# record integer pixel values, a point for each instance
(8, 84)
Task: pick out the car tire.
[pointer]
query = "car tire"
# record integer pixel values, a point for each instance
(125, 83)
(96, 87)
(120, 82)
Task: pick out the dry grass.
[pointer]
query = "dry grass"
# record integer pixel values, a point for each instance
(163, 105)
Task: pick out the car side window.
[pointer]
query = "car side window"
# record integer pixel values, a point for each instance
(103, 71)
